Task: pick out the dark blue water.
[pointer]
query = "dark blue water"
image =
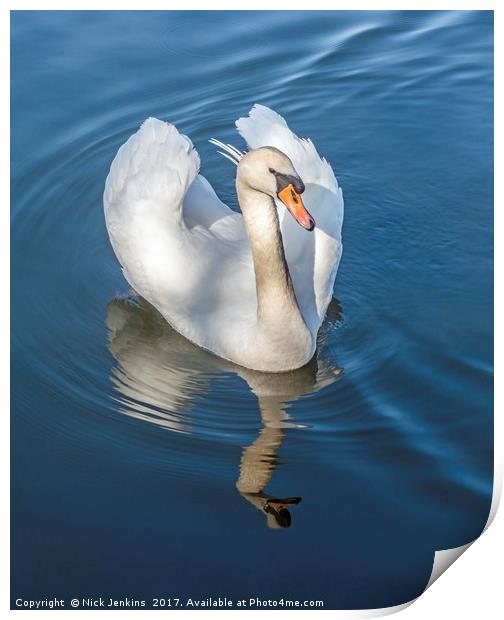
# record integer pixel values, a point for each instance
(127, 441)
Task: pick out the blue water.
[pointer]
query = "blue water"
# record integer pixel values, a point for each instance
(127, 441)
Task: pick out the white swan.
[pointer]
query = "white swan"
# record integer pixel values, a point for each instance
(224, 280)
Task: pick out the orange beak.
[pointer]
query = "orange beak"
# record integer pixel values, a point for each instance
(292, 200)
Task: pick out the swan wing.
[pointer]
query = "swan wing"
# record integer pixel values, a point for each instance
(143, 199)
(156, 165)
(202, 208)
(313, 257)
(179, 246)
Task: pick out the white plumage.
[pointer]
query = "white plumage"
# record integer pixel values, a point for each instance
(189, 254)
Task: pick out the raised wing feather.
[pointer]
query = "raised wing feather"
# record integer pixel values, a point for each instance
(264, 127)
(313, 258)
(143, 197)
(156, 164)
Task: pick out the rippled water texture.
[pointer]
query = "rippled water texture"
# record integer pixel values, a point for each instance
(143, 466)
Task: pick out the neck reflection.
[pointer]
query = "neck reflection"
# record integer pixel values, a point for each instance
(159, 374)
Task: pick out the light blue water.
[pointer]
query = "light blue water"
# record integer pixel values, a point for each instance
(127, 441)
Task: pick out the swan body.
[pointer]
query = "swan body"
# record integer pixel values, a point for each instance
(253, 288)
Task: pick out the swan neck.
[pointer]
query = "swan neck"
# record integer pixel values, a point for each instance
(276, 300)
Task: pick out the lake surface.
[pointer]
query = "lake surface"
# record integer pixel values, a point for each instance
(133, 450)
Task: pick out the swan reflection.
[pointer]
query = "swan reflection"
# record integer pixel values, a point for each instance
(159, 374)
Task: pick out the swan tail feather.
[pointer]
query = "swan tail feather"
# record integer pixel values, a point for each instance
(230, 151)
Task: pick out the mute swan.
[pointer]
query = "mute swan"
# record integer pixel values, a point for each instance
(253, 288)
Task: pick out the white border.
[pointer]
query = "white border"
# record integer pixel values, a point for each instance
(471, 587)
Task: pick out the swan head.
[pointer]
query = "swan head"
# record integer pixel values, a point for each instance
(271, 172)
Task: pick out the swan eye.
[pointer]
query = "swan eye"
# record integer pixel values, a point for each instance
(272, 171)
